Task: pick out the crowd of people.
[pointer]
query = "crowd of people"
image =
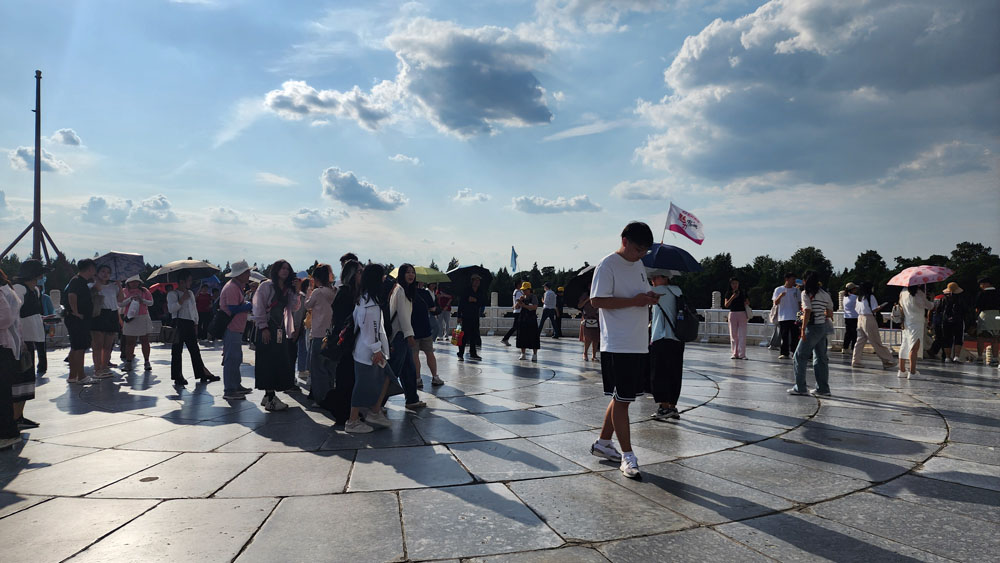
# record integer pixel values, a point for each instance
(358, 339)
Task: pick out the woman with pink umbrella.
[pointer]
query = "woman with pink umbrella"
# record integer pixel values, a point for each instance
(914, 304)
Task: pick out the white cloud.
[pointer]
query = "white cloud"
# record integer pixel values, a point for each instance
(315, 218)
(946, 159)
(297, 100)
(8, 213)
(466, 195)
(598, 126)
(407, 159)
(23, 158)
(826, 92)
(273, 179)
(536, 204)
(592, 16)
(226, 216)
(66, 137)
(645, 189)
(243, 114)
(116, 211)
(346, 188)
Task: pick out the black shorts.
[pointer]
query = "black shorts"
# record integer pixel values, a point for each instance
(624, 374)
(79, 332)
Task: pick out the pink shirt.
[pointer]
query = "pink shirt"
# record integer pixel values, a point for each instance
(231, 296)
(143, 295)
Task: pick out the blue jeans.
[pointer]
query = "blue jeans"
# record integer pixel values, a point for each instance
(401, 362)
(320, 376)
(303, 353)
(814, 344)
(232, 357)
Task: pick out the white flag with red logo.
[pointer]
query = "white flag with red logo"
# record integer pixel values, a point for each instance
(683, 222)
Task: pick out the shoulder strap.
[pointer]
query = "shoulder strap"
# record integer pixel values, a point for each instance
(666, 316)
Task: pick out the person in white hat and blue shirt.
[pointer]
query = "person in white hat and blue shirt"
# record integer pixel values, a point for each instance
(232, 303)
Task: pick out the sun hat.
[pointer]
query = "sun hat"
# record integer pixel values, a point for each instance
(560, 288)
(476, 277)
(134, 278)
(31, 269)
(238, 268)
(851, 286)
(525, 285)
(953, 288)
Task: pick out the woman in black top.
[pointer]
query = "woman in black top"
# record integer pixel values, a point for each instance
(736, 302)
(469, 308)
(338, 400)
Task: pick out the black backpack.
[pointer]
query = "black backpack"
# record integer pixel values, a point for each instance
(685, 326)
(951, 312)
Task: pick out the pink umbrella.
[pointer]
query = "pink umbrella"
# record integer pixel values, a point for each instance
(919, 275)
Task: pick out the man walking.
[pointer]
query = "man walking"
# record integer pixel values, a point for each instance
(513, 328)
(549, 302)
(622, 295)
(231, 302)
(787, 297)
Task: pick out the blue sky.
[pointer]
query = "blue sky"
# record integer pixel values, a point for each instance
(411, 131)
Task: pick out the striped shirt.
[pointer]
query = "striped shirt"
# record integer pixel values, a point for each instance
(818, 305)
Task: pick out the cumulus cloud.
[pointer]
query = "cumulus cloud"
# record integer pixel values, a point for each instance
(66, 137)
(297, 100)
(827, 92)
(536, 204)
(23, 158)
(273, 179)
(315, 218)
(346, 188)
(226, 216)
(116, 211)
(407, 159)
(946, 159)
(466, 195)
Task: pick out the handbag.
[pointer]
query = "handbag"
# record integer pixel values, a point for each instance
(170, 334)
(897, 314)
(132, 311)
(773, 316)
(457, 336)
(591, 323)
(749, 312)
(829, 328)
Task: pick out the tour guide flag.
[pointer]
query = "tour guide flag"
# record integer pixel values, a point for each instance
(680, 221)
(513, 260)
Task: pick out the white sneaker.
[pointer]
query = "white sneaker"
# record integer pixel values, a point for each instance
(630, 467)
(357, 427)
(85, 381)
(912, 374)
(900, 373)
(521, 357)
(955, 360)
(378, 420)
(8, 442)
(607, 452)
(275, 404)
(534, 355)
(783, 357)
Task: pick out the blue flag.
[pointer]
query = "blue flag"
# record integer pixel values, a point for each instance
(513, 260)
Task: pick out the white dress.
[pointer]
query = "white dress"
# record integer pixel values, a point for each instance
(914, 319)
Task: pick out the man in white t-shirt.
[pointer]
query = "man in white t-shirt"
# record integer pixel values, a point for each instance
(513, 327)
(622, 295)
(549, 311)
(788, 298)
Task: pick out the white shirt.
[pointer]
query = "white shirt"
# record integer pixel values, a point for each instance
(817, 306)
(866, 306)
(622, 330)
(371, 332)
(850, 305)
(32, 328)
(549, 301)
(400, 311)
(186, 310)
(789, 306)
(517, 295)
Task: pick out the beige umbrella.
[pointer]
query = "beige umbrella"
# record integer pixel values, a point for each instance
(168, 272)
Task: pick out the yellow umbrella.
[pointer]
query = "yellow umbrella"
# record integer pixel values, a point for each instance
(424, 274)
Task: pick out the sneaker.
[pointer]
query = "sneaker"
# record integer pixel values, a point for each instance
(783, 357)
(912, 374)
(665, 414)
(234, 396)
(377, 420)
(85, 381)
(435, 381)
(505, 341)
(795, 391)
(734, 357)
(420, 383)
(417, 405)
(630, 467)
(275, 404)
(607, 452)
(461, 358)
(25, 424)
(900, 373)
(476, 357)
(521, 357)
(8, 442)
(955, 360)
(818, 393)
(357, 427)
(888, 365)
(148, 367)
(245, 390)
(534, 356)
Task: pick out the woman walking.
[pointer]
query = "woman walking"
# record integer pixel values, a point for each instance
(400, 316)
(469, 308)
(105, 326)
(817, 312)
(181, 305)
(666, 351)
(320, 302)
(273, 304)
(338, 399)
(590, 327)
(867, 307)
(914, 303)
(136, 301)
(849, 305)
(527, 323)
(736, 302)
(11, 349)
(953, 322)
(371, 354)
(33, 335)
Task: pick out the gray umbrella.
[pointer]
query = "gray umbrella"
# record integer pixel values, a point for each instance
(123, 265)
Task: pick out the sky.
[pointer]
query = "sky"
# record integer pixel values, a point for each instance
(418, 131)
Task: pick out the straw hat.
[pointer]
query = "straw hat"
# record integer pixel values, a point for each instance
(851, 286)
(953, 288)
(238, 268)
(525, 285)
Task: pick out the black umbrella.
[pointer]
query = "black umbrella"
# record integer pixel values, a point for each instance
(169, 272)
(666, 257)
(461, 279)
(578, 286)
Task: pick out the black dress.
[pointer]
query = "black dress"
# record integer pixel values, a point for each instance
(273, 367)
(527, 326)
(338, 400)
(468, 313)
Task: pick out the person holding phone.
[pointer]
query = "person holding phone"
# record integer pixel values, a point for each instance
(867, 307)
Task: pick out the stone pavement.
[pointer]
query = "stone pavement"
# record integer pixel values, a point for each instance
(498, 468)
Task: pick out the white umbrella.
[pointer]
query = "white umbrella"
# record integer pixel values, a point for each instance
(198, 269)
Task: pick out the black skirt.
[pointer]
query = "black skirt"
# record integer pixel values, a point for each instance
(273, 367)
(527, 331)
(107, 321)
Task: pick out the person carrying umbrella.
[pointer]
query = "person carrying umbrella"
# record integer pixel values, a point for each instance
(470, 305)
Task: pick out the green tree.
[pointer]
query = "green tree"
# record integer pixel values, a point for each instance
(452, 264)
(503, 284)
(535, 277)
(810, 258)
(869, 266)
(433, 265)
(715, 274)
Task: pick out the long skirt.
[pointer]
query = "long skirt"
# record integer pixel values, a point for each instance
(911, 336)
(368, 382)
(22, 386)
(527, 331)
(273, 368)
